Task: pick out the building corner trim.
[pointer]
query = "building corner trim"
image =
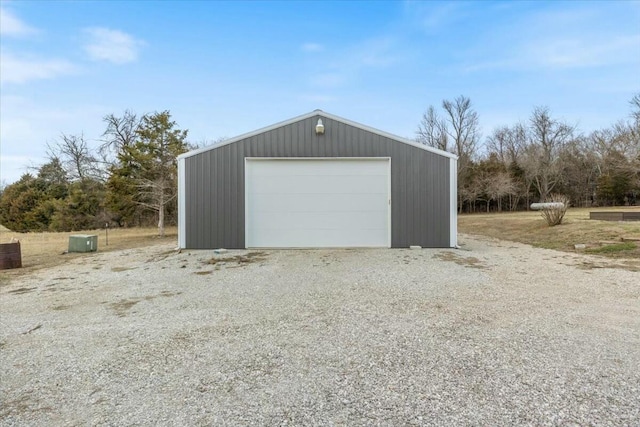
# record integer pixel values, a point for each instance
(182, 205)
(453, 209)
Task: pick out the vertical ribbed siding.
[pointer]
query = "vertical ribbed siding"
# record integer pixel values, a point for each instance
(214, 182)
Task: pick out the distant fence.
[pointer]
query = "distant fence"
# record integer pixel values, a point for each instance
(615, 216)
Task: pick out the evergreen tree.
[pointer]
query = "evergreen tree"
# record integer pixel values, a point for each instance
(146, 173)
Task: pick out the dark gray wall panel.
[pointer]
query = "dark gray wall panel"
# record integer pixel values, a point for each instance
(214, 182)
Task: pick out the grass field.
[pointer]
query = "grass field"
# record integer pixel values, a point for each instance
(600, 237)
(40, 250)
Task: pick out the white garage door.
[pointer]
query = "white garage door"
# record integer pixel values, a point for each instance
(297, 203)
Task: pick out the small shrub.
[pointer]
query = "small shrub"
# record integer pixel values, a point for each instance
(554, 216)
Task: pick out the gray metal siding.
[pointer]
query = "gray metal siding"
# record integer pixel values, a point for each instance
(214, 182)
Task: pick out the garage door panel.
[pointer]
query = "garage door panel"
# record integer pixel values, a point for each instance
(320, 239)
(297, 221)
(319, 184)
(273, 167)
(317, 203)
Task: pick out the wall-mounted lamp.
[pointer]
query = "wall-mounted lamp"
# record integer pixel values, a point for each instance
(319, 128)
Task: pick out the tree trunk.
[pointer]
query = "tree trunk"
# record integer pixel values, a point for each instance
(161, 215)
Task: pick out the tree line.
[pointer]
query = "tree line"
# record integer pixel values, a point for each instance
(130, 179)
(531, 161)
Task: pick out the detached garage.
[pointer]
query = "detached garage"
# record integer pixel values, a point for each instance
(314, 181)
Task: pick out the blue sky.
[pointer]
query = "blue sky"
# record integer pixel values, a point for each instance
(224, 69)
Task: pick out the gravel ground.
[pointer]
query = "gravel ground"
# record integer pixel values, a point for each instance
(497, 333)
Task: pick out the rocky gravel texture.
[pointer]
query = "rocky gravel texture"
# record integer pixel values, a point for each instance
(496, 333)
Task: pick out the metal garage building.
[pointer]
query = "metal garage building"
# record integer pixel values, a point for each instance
(317, 180)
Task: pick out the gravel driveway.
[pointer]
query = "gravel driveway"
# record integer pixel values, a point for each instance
(497, 333)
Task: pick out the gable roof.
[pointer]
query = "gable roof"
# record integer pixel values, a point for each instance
(316, 113)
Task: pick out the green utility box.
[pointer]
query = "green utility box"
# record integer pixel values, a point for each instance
(83, 243)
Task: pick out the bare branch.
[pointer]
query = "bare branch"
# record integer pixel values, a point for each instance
(76, 157)
(464, 129)
(120, 133)
(432, 130)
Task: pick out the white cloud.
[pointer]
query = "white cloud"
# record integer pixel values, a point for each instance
(10, 25)
(349, 63)
(312, 47)
(572, 52)
(24, 67)
(434, 16)
(14, 69)
(565, 54)
(109, 45)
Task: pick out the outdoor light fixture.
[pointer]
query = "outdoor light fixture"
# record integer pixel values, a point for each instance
(319, 127)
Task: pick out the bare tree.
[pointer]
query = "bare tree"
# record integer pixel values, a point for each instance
(432, 130)
(470, 192)
(635, 109)
(580, 172)
(547, 137)
(76, 157)
(459, 133)
(464, 129)
(120, 133)
(508, 143)
(497, 186)
(616, 153)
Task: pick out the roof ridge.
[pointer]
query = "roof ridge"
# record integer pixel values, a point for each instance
(323, 114)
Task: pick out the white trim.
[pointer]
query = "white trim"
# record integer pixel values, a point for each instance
(321, 114)
(390, 196)
(318, 158)
(246, 202)
(247, 244)
(182, 204)
(453, 208)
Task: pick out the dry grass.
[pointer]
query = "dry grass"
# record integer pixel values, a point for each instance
(41, 250)
(577, 228)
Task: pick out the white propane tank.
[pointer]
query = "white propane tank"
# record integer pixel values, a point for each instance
(548, 205)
